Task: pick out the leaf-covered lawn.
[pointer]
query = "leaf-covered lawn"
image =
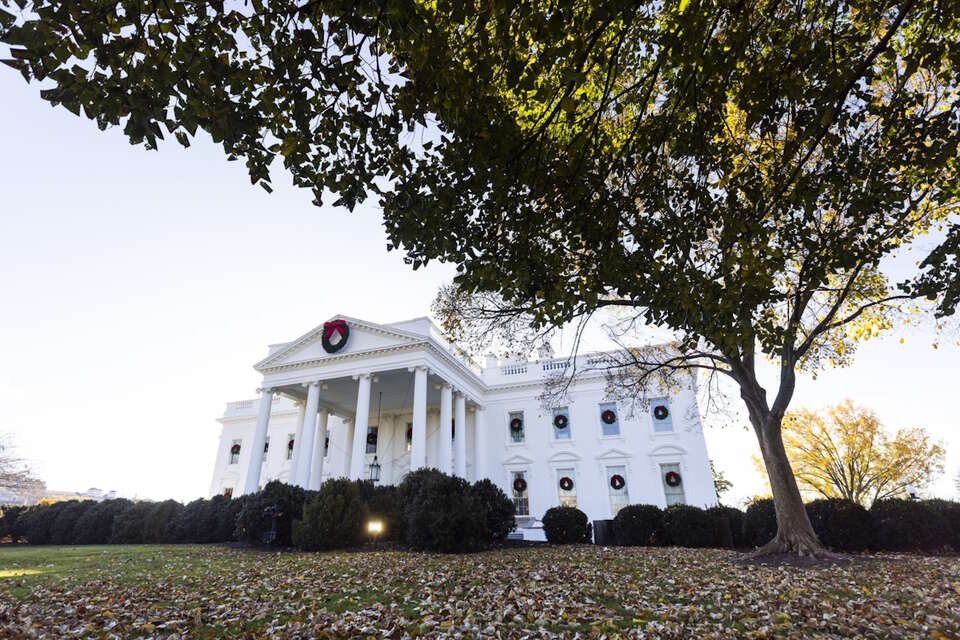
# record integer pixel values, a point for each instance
(212, 591)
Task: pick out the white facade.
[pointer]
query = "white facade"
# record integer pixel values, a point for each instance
(404, 380)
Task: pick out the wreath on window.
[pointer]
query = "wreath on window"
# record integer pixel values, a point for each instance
(290, 444)
(672, 478)
(560, 421)
(608, 416)
(566, 483)
(617, 481)
(372, 438)
(516, 425)
(235, 449)
(660, 412)
(519, 485)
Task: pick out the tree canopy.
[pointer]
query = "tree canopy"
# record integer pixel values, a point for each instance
(732, 170)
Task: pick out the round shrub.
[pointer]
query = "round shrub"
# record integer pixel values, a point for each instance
(759, 523)
(842, 525)
(950, 512)
(687, 526)
(253, 521)
(95, 525)
(906, 525)
(638, 525)
(334, 517)
(566, 525)
(440, 513)
(497, 508)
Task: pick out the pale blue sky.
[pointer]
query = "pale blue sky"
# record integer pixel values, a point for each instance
(139, 287)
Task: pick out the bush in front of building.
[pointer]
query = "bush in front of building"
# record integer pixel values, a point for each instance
(950, 512)
(334, 517)
(759, 523)
(96, 524)
(39, 521)
(440, 513)
(159, 521)
(687, 526)
(841, 525)
(566, 525)
(498, 510)
(908, 525)
(638, 525)
(254, 519)
(727, 527)
(11, 524)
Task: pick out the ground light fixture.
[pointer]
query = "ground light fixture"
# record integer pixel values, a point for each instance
(374, 528)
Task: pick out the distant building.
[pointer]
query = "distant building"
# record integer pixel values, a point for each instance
(354, 398)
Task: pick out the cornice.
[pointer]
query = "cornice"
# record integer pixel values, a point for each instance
(346, 357)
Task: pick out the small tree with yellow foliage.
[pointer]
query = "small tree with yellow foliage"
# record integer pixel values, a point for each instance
(844, 452)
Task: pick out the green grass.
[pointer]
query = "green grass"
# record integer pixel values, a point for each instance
(219, 592)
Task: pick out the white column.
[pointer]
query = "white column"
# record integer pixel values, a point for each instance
(259, 439)
(316, 470)
(418, 447)
(446, 418)
(298, 434)
(460, 415)
(360, 424)
(479, 444)
(347, 446)
(308, 429)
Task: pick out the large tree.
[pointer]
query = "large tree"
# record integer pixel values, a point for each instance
(734, 170)
(845, 452)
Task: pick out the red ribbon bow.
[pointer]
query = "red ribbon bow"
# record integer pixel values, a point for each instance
(340, 326)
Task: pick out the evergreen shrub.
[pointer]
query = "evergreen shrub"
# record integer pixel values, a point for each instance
(566, 525)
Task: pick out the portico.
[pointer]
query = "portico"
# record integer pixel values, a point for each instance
(400, 398)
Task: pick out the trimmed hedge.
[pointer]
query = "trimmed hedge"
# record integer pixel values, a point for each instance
(759, 523)
(907, 525)
(727, 527)
(566, 525)
(638, 525)
(335, 516)
(686, 526)
(841, 525)
(441, 514)
(253, 521)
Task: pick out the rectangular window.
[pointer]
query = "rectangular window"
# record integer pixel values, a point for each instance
(326, 445)
(660, 414)
(235, 452)
(617, 486)
(672, 484)
(561, 423)
(520, 490)
(517, 427)
(266, 447)
(290, 444)
(609, 419)
(409, 436)
(567, 487)
(228, 492)
(372, 439)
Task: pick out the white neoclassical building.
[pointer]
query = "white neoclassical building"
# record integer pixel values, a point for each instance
(353, 398)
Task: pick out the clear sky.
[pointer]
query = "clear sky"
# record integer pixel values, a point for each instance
(138, 288)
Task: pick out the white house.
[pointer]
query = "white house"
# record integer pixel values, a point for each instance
(350, 398)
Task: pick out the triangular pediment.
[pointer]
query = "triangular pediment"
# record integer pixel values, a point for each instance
(518, 459)
(613, 453)
(363, 337)
(564, 456)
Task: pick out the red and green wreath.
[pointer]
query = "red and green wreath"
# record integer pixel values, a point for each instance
(672, 478)
(566, 483)
(617, 481)
(660, 412)
(410, 433)
(235, 449)
(519, 485)
(516, 425)
(372, 438)
(608, 416)
(560, 421)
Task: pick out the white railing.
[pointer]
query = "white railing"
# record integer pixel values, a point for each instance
(240, 405)
(513, 369)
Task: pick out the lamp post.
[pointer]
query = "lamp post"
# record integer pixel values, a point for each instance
(374, 471)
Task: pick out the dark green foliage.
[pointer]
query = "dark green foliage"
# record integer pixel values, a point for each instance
(252, 522)
(907, 525)
(200, 521)
(638, 525)
(61, 531)
(159, 520)
(950, 512)
(39, 522)
(128, 524)
(441, 514)
(229, 517)
(383, 503)
(498, 509)
(687, 526)
(95, 525)
(335, 517)
(727, 526)
(566, 525)
(759, 523)
(841, 525)
(11, 523)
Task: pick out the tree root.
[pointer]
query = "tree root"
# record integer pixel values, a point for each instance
(799, 545)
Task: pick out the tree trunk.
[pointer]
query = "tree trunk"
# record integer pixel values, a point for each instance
(794, 532)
